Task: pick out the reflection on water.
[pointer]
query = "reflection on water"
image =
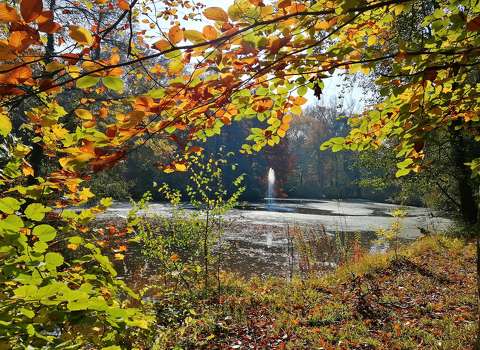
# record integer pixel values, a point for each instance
(257, 238)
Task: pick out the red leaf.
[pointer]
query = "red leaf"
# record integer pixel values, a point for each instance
(474, 24)
(31, 9)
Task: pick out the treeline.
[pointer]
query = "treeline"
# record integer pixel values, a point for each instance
(302, 169)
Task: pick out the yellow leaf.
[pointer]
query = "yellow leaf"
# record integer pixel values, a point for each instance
(83, 114)
(194, 36)
(5, 125)
(85, 194)
(297, 110)
(175, 66)
(72, 246)
(81, 35)
(53, 67)
(372, 40)
(398, 9)
(216, 14)
(180, 167)
(323, 25)
(119, 256)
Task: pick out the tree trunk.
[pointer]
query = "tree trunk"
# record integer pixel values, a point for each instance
(463, 151)
(477, 345)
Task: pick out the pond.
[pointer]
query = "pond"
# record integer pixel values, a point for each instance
(258, 234)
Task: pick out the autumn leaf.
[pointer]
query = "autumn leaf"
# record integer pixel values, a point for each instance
(31, 9)
(209, 32)
(175, 34)
(124, 5)
(85, 194)
(8, 14)
(5, 125)
(20, 40)
(162, 45)
(83, 114)
(180, 167)
(194, 36)
(474, 24)
(46, 24)
(216, 14)
(81, 35)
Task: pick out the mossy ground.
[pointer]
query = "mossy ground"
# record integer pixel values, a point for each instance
(424, 297)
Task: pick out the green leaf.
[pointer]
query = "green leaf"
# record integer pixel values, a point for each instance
(156, 93)
(402, 172)
(45, 233)
(25, 291)
(302, 90)
(40, 247)
(27, 312)
(53, 259)
(113, 83)
(87, 81)
(75, 240)
(5, 125)
(9, 205)
(36, 211)
(30, 330)
(11, 224)
(405, 163)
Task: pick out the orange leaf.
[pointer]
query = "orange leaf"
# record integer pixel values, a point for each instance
(8, 14)
(210, 32)
(124, 5)
(162, 45)
(31, 9)
(175, 34)
(27, 170)
(49, 27)
(20, 40)
(262, 105)
(299, 100)
(44, 17)
(216, 14)
(194, 149)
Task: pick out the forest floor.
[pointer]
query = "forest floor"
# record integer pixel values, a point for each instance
(424, 297)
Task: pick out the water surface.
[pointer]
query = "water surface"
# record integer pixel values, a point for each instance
(257, 234)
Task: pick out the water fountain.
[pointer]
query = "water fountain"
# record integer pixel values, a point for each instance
(270, 188)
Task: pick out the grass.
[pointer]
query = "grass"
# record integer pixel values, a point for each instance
(424, 298)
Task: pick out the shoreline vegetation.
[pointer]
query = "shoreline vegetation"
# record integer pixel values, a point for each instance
(422, 297)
